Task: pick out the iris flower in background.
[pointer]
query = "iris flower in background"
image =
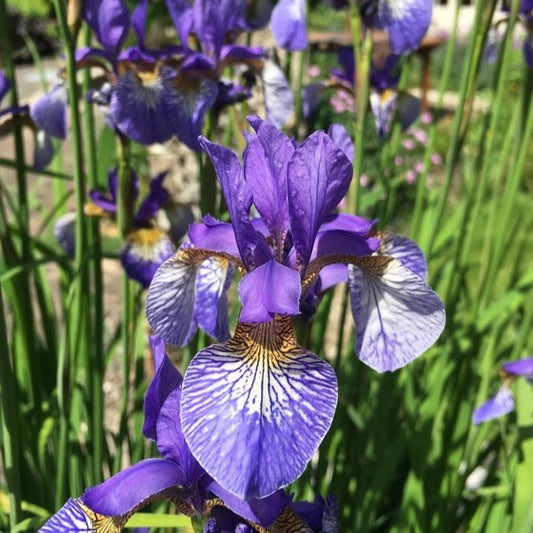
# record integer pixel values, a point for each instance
(255, 408)
(147, 246)
(47, 117)
(289, 25)
(178, 477)
(503, 402)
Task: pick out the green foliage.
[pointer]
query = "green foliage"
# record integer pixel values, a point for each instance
(31, 8)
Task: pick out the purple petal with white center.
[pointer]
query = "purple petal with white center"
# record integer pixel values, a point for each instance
(397, 315)
(5, 85)
(522, 367)
(265, 169)
(212, 234)
(269, 289)
(238, 197)
(406, 22)
(64, 233)
(171, 442)
(255, 408)
(138, 21)
(166, 379)
(193, 96)
(181, 13)
(75, 516)
(499, 405)
(211, 308)
(406, 251)
(171, 296)
(383, 105)
(141, 108)
(263, 511)
(144, 251)
(109, 19)
(288, 24)
(43, 150)
(154, 201)
(131, 488)
(342, 140)
(50, 112)
(279, 101)
(318, 177)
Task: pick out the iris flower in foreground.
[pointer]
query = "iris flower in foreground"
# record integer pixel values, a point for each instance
(255, 408)
(503, 402)
(178, 477)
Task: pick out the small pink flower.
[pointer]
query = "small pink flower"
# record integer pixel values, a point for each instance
(313, 71)
(364, 180)
(410, 177)
(426, 117)
(436, 159)
(338, 105)
(419, 167)
(408, 144)
(398, 160)
(421, 136)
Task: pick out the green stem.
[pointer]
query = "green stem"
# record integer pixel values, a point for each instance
(10, 435)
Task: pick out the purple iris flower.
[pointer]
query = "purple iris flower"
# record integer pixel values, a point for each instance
(146, 246)
(503, 402)
(260, 395)
(150, 100)
(288, 24)
(49, 119)
(405, 21)
(176, 475)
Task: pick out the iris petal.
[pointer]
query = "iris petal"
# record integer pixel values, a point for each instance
(50, 112)
(522, 367)
(318, 177)
(342, 140)
(279, 101)
(255, 408)
(288, 23)
(171, 296)
(43, 150)
(406, 22)
(269, 289)
(265, 168)
(134, 487)
(406, 251)
(500, 405)
(397, 315)
(5, 85)
(76, 516)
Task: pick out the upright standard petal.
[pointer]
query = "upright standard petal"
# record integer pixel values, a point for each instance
(238, 197)
(406, 22)
(397, 315)
(268, 290)
(171, 296)
(181, 13)
(109, 19)
(342, 140)
(265, 169)
(318, 177)
(50, 112)
(289, 23)
(255, 408)
(499, 405)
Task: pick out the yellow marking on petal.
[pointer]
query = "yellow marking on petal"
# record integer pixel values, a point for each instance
(93, 210)
(288, 522)
(145, 243)
(99, 523)
(196, 256)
